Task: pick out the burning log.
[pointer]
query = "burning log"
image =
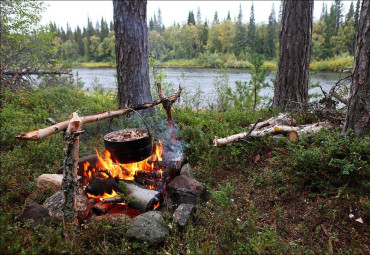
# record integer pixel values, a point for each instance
(45, 132)
(140, 198)
(313, 128)
(91, 159)
(143, 199)
(99, 186)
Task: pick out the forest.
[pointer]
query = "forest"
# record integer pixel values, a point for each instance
(247, 174)
(223, 41)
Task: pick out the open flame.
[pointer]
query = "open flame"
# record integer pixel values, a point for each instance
(106, 168)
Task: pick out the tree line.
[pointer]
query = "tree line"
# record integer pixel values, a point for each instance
(333, 35)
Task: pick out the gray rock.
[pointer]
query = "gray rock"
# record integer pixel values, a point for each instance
(185, 190)
(183, 213)
(55, 205)
(186, 171)
(148, 227)
(37, 213)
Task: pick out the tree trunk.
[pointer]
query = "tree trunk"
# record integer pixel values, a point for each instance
(291, 86)
(358, 114)
(131, 33)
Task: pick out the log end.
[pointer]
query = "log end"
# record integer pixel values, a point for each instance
(34, 135)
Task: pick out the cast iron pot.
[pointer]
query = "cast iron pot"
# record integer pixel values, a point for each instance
(130, 151)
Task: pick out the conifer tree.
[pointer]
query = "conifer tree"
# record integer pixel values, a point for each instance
(240, 37)
(191, 19)
(251, 33)
(271, 34)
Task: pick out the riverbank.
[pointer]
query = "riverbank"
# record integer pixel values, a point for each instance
(335, 64)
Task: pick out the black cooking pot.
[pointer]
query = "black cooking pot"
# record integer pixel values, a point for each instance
(130, 151)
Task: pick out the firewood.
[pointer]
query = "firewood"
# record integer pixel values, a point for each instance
(143, 199)
(45, 132)
(101, 208)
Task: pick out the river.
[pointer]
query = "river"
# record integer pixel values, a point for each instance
(197, 78)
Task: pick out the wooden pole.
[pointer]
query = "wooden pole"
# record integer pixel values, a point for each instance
(45, 132)
(69, 182)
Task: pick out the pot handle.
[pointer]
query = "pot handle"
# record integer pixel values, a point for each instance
(141, 117)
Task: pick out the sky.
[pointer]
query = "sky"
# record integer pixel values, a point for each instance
(76, 12)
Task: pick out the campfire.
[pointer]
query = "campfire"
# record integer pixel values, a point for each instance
(145, 180)
(133, 177)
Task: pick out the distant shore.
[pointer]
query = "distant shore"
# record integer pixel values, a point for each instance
(331, 65)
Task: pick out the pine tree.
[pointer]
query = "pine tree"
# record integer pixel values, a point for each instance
(228, 16)
(338, 6)
(215, 19)
(79, 40)
(151, 24)
(271, 34)
(252, 31)
(159, 21)
(104, 30)
(239, 42)
(191, 19)
(199, 15)
(357, 14)
(324, 12)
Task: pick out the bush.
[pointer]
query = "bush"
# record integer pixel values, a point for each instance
(332, 160)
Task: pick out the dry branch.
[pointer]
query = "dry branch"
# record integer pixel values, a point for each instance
(274, 131)
(45, 132)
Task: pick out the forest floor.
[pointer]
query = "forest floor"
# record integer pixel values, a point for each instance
(267, 196)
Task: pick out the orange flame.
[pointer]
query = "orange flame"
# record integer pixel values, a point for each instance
(105, 168)
(156, 205)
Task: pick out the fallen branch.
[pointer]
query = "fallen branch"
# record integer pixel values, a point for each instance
(273, 131)
(22, 72)
(45, 132)
(282, 119)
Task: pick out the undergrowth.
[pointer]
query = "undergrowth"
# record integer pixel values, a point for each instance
(267, 195)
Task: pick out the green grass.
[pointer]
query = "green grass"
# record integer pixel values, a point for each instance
(266, 197)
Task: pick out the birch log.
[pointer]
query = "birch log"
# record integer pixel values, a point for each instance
(45, 132)
(281, 120)
(70, 165)
(273, 131)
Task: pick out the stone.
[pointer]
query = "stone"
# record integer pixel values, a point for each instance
(185, 190)
(55, 205)
(148, 227)
(52, 181)
(37, 213)
(186, 171)
(183, 213)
